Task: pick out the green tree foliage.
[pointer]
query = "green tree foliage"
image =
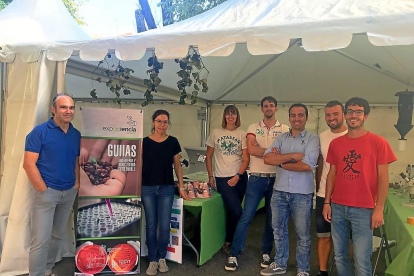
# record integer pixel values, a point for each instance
(71, 5)
(73, 8)
(177, 10)
(3, 3)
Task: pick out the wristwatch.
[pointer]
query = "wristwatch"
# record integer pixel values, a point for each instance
(239, 174)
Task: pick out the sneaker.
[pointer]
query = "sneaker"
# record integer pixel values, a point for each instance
(265, 260)
(273, 269)
(152, 268)
(320, 273)
(231, 264)
(162, 266)
(302, 273)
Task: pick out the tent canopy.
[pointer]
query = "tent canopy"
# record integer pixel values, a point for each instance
(311, 50)
(267, 26)
(45, 21)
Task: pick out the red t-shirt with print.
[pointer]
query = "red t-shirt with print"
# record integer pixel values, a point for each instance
(356, 161)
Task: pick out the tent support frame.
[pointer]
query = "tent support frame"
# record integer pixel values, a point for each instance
(82, 69)
(375, 68)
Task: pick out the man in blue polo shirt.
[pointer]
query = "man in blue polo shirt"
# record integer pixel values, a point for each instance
(51, 162)
(296, 153)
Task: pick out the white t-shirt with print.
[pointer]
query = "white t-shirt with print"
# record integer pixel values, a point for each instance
(228, 146)
(326, 138)
(264, 138)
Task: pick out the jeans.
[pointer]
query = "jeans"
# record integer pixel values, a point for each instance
(157, 201)
(232, 198)
(49, 217)
(257, 188)
(300, 207)
(358, 220)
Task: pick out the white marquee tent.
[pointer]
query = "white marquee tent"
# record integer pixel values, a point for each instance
(307, 51)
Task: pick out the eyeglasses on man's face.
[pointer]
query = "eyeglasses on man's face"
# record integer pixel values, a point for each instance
(162, 122)
(358, 112)
(230, 114)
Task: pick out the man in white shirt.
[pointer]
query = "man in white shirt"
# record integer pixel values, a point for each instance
(334, 117)
(262, 177)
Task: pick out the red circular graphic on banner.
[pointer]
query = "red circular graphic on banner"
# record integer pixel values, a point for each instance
(91, 259)
(122, 258)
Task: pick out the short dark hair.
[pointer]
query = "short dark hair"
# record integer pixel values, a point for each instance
(335, 103)
(158, 113)
(299, 105)
(270, 99)
(360, 102)
(231, 109)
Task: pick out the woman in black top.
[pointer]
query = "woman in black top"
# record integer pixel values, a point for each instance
(160, 152)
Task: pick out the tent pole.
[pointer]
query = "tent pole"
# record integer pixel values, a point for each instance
(208, 119)
(2, 91)
(60, 77)
(318, 119)
(204, 128)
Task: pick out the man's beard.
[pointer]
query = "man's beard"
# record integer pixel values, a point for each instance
(336, 126)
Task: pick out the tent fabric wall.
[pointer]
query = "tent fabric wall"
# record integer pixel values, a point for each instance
(27, 103)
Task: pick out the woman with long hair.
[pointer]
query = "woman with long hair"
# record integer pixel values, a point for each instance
(228, 146)
(160, 153)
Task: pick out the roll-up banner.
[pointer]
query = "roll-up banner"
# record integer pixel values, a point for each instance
(109, 205)
(175, 246)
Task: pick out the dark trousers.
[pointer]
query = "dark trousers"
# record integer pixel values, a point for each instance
(232, 198)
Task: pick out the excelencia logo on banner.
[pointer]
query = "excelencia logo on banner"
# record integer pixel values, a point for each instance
(130, 122)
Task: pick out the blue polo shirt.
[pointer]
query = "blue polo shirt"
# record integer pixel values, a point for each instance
(290, 181)
(57, 153)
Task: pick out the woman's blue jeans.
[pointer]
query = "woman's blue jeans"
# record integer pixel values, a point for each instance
(157, 202)
(346, 219)
(232, 198)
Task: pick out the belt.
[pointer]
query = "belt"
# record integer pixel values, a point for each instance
(263, 174)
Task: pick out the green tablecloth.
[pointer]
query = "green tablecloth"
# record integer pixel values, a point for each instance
(213, 219)
(213, 224)
(398, 229)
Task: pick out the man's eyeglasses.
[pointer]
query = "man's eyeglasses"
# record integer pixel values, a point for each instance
(230, 114)
(358, 112)
(162, 122)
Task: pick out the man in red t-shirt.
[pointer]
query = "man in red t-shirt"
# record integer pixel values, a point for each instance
(358, 184)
